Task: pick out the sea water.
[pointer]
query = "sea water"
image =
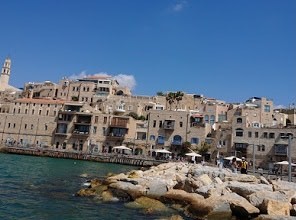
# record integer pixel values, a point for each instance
(44, 188)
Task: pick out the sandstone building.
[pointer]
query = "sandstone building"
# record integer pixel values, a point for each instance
(93, 114)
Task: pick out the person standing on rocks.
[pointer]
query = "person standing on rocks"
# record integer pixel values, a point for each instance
(244, 166)
(234, 165)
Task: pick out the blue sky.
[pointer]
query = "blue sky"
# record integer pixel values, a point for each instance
(225, 49)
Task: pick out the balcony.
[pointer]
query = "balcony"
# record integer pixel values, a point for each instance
(169, 124)
(117, 122)
(81, 130)
(78, 132)
(116, 133)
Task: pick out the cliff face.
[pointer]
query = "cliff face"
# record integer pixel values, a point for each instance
(199, 192)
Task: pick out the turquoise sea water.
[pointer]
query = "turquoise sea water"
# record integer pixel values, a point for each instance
(44, 188)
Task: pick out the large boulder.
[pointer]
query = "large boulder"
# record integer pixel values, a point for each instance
(242, 178)
(245, 189)
(132, 190)
(148, 205)
(273, 207)
(180, 196)
(221, 211)
(239, 205)
(274, 217)
(279, 185)
(258, 197)
(156, 188)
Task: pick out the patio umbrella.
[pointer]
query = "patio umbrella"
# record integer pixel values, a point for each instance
(284, 163)
(121, 148)
(231, 157)
(163, 151)
(193, 154)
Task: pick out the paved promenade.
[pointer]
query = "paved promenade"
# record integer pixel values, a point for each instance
(135, 160)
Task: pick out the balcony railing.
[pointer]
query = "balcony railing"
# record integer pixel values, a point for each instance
(176, 142)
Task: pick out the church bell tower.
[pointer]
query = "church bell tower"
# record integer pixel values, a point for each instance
(5, 74)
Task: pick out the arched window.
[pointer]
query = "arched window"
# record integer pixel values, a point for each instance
(152, 138)
(206, 119)
(239, 120)
(177, 140)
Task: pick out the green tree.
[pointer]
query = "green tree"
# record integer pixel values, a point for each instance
(142, 117)
(185, 148)
(133, 115)
(204, 148)
(160, 94)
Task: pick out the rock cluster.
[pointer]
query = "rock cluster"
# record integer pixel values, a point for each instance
(199, 192)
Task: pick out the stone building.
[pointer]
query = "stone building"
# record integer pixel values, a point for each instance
(94, 114)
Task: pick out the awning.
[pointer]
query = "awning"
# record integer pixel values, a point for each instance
(197, 116)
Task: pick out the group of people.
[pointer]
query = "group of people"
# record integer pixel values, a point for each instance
(243, 166)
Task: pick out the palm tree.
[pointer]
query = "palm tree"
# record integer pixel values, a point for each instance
(170, 98)
(179, 96)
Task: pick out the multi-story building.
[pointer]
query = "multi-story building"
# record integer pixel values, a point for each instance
(94, 114)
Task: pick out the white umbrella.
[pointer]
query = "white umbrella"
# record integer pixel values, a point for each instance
(121, 148)
(231, 157)
(285, 163)
(163, 151)
(193, 154)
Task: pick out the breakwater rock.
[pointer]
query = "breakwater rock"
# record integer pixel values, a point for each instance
(198, 192)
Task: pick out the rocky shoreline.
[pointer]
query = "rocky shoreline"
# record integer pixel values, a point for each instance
(198, 192)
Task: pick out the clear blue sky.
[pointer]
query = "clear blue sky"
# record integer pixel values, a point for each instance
(225, 49)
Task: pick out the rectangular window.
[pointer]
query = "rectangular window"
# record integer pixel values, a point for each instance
(181, 124)
(8, 125)
(25, 126)
(95, 130)
(13, 125)
(105, 120)
(160, 124)
(154, 123)
(256, 134)
(45, 127)
(96, 119)
(265, 135)
(271, 135)
(249, 134)
(266, 108)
